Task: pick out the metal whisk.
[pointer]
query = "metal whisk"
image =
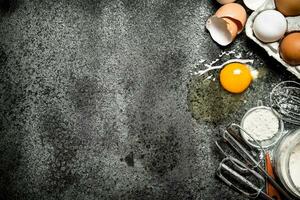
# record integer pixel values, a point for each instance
(236, 168)
(285, 101)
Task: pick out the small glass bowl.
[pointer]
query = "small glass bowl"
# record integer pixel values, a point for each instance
(282, 154)
(263, 143)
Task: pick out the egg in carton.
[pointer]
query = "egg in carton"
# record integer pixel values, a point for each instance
(293, 24)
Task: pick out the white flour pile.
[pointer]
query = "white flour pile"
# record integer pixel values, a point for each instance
(295, 166)
(261, 124)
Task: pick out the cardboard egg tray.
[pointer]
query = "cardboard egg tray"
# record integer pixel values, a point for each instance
(273, 48)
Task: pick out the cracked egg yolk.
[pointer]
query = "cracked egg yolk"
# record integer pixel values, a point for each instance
(235, 77)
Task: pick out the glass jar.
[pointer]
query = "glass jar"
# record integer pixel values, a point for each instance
(286, 148)
(267, 143)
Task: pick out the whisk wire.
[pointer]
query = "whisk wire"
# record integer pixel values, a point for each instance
(285, 101)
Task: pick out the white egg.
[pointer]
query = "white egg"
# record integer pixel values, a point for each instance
(225, 1)
(269, 26)
(254, 4)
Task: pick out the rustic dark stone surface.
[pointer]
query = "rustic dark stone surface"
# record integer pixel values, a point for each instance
(94, 99)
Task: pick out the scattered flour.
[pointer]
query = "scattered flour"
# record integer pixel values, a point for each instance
(210, 67)
(227, 53)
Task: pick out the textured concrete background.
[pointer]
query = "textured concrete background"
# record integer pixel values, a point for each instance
(94, 99)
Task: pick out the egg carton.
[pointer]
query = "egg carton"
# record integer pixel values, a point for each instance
(273, 48)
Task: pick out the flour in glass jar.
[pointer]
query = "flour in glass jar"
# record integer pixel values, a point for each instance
(261, 124)
(294, 166)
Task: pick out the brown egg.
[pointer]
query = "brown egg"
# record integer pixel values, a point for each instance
(235, 12)
(288, 7)
(290, 48)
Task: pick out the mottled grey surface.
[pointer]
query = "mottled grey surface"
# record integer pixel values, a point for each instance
(93, 99)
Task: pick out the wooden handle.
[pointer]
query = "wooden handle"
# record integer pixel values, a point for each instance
(271, 191)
